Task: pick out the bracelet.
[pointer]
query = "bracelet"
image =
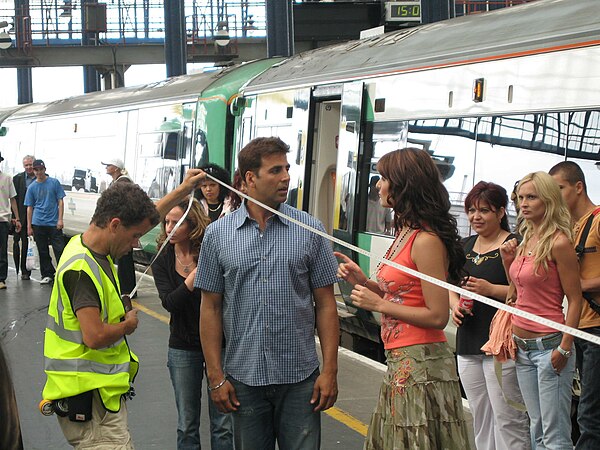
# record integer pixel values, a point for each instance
(366, 282)
(214, 388)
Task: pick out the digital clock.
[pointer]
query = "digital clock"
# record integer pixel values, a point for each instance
(409, 11)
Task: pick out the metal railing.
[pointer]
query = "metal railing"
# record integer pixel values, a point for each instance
(59, 22)
(466, 7)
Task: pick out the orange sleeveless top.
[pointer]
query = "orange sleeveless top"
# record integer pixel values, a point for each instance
(404, 289)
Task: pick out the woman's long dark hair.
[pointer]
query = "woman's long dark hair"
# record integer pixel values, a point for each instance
(420, 201)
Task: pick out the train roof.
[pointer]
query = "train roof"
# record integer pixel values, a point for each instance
(176, 89)
(543, 25)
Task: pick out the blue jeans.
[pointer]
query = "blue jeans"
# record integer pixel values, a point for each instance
(547, 396)
(277, 412)
(45, 236)
(588, 413)
(186, 369)
(3, 250)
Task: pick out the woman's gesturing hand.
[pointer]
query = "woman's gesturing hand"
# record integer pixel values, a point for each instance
(508, 251)
(349, 271)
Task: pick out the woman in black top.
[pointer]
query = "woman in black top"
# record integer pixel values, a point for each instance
(497, 425)
(174, 272)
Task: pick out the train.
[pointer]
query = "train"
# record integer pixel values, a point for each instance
(490, 96)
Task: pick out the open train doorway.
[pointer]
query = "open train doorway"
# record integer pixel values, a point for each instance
(324, 159)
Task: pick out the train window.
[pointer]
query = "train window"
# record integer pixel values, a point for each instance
(451, 144)
(171, 144)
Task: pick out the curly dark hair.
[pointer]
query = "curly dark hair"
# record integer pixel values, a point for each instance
(196, 219)
(421, 201)
(220, 174)
(491, 193)
(127, 202)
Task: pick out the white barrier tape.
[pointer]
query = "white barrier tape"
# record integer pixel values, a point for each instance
(517, 312)
(164, 244)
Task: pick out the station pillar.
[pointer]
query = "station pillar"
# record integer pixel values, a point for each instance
(91, 77)
(175, 38)
(24, 85)
(280, 28)
(436, 10)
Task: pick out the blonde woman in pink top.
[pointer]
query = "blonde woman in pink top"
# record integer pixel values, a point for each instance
(544, 269)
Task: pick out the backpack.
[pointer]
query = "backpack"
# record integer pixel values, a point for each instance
(580, 250)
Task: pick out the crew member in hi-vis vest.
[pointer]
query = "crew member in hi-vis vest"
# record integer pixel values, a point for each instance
(88, 362)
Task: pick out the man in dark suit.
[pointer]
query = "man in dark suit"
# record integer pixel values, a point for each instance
(22, 182)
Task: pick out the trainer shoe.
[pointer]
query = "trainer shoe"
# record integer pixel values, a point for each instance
(46, 280)
(2, 285)
(25, 277)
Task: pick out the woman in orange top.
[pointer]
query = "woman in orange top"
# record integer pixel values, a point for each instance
(419, 404)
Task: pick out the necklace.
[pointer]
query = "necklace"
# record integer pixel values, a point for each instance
(186, 267)
(530, 252)
(478, 259)
(215, 209)
(393, 248)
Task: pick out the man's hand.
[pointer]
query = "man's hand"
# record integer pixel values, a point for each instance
(224, 398)
(192, 178)
(131, 321)
(325, 392)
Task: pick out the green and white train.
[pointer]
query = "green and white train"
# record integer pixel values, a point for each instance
(491, 96)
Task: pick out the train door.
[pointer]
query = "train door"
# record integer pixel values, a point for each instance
(347, 160)
(324, 159)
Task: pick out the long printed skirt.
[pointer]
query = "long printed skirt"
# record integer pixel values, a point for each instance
(419, 404)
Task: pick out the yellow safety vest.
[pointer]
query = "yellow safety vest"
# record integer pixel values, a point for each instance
(71, 367)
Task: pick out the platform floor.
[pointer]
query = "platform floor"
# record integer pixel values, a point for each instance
(152, 414)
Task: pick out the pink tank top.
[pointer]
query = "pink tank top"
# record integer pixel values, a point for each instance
(399, 287)
(540, 294)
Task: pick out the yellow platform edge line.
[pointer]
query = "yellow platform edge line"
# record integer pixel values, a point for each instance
(351, 422)
(333, 412)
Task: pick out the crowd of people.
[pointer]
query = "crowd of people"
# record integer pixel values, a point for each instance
(246, 289)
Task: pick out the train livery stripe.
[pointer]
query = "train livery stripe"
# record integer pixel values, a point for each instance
(335, 413)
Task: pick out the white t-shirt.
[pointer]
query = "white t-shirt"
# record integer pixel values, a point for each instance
(7, 191)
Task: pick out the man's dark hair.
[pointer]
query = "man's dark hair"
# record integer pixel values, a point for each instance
(571, 172)
(127, 202)
(250, 157)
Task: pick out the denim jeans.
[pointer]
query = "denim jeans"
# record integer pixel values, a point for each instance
(588, 413)
(547, 397)
(278, 412)
(3, 250)
(186, 369)
(44, 237)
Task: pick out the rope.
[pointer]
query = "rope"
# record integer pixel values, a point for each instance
(463, 292)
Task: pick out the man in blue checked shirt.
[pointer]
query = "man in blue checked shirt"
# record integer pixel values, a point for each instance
(266, 283)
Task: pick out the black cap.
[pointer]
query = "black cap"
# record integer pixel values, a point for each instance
(38, 163)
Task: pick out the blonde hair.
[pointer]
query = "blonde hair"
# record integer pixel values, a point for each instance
(556, 218)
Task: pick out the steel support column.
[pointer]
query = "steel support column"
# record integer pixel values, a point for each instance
(24, 85)
(91, 77)
(175, 38)
(22, 34)
(436, 10)
(280, 28)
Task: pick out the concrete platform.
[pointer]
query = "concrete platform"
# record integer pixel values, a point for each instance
(152, 414)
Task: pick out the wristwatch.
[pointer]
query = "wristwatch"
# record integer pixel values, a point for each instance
(565, 353)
